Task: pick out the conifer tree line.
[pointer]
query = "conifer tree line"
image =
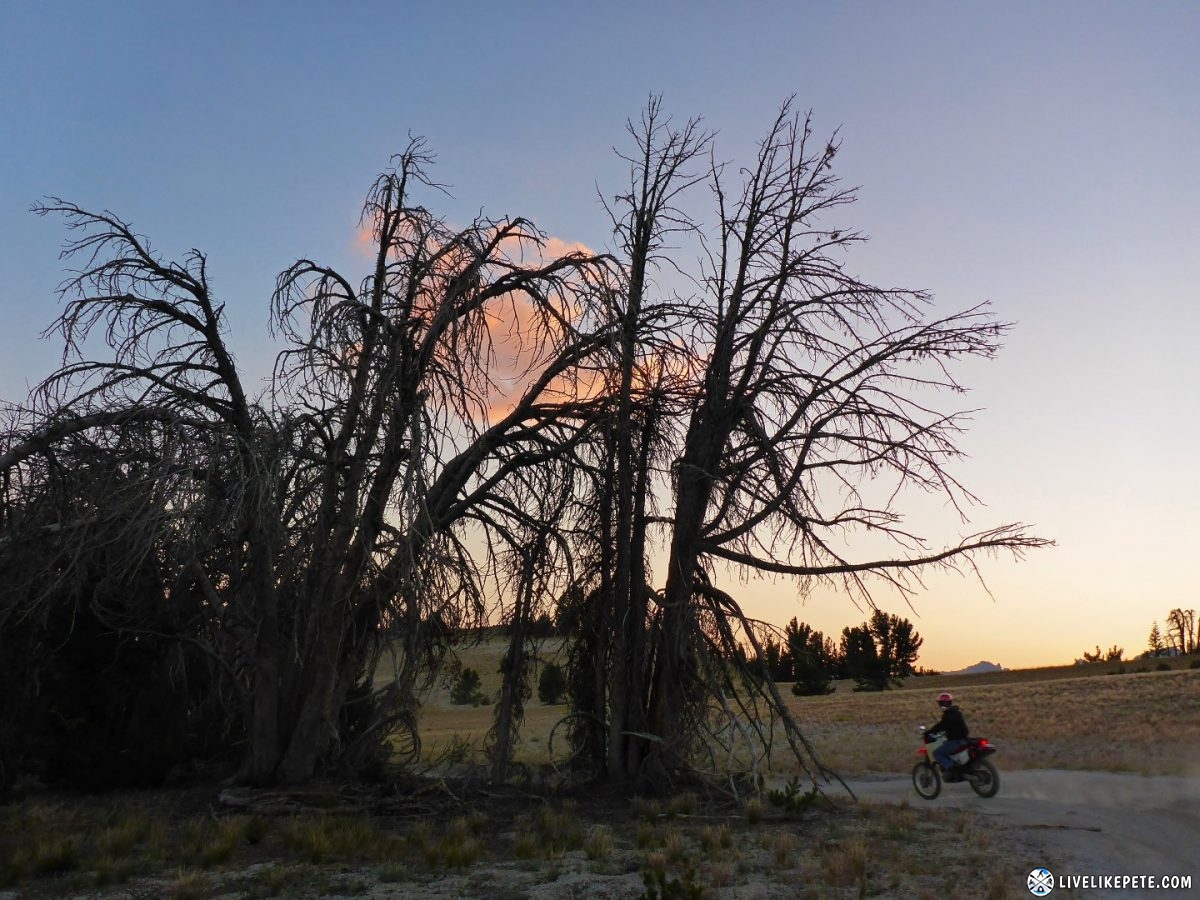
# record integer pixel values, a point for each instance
(204, 574)
(875, 655)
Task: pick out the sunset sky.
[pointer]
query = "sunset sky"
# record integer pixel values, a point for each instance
(1045, 157)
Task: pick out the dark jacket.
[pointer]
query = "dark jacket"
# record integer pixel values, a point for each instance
(953, 723)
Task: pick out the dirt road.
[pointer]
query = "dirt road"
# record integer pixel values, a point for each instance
(1082, 823)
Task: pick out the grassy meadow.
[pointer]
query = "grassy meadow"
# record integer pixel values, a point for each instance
(444, 724)
(1138, 722)
(1104, 716)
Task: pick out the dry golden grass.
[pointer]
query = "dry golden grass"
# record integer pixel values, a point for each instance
(1134, 722)
(674, 845)
(1071, 717)
(599, 843)
(784, 846)
(845, 863)
(715, 839)
(189, 886)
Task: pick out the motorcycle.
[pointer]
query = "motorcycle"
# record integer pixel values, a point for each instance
(974, 767)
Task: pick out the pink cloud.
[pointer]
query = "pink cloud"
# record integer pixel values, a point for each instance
(518, 335)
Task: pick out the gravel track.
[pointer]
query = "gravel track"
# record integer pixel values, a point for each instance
(1082, 823)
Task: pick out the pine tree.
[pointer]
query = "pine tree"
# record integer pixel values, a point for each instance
(466, 690)
(1155, 643)
(812, 663)
(552, 685)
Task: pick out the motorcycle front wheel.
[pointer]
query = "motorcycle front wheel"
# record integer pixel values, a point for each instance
(926, 780)
(985, 780)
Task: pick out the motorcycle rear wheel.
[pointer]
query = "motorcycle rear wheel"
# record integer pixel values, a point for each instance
(926, 780)
(985, 780)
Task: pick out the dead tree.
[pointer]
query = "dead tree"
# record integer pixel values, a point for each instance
(810, 390)
(629, 442)
(805, 391)
(343, 495)
(1181, 629)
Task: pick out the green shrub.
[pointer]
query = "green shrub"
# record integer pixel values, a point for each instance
(466, 690)
(792, 799)
(552, 684)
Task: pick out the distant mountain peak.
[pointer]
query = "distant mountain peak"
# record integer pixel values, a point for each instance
(978, 669)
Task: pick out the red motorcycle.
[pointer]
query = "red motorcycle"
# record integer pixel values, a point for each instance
(974, 767)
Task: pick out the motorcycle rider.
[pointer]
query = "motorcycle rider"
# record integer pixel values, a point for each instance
(955, 728)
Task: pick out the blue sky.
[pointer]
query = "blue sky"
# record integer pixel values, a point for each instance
(1040, 156)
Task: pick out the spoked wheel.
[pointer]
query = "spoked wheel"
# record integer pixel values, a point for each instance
(566, 759)
(926, 780)
(984, 778)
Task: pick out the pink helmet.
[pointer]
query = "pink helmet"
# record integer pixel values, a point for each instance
(945, 698)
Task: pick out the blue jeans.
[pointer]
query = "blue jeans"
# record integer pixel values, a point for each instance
(943, 753)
